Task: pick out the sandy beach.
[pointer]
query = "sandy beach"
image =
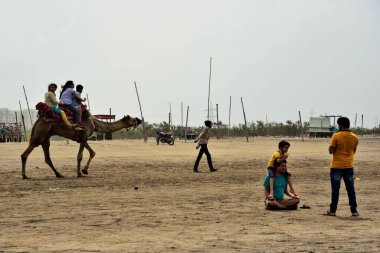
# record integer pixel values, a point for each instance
(140, 197)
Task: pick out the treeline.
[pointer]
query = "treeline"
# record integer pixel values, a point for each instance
(258, 128)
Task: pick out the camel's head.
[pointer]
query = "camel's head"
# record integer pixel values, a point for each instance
(131, 122)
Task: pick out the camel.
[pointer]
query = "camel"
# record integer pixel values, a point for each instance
(44, 128)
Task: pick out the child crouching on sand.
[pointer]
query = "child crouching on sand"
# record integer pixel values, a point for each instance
(279, 156)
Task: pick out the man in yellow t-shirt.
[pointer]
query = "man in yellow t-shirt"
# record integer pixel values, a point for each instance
(343, 147)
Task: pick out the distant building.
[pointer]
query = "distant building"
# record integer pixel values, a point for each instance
(8, 116)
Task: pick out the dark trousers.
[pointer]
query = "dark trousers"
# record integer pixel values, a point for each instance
(75, 112)
(348, 178)
(203, 150)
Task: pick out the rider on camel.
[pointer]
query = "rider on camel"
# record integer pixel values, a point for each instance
(68, 98)
(51, 100)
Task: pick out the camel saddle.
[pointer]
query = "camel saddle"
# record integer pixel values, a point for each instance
(44, 111)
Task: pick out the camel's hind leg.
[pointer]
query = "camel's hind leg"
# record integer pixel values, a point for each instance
(45, 147)
(92, 154)
(79, 159)
(24, 157)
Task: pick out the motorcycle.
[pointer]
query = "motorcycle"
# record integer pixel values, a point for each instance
(165, 138)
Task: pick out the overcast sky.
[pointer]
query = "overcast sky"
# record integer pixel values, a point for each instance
(280, 56)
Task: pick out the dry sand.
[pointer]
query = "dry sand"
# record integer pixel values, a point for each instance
(176, 210)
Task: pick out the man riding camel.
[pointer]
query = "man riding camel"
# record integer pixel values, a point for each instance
(69, 98)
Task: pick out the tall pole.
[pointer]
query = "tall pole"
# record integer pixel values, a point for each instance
(27, 103)
(181, 119)
(187, 118)
(217, 120)
(209, 85)
(169, 120)
(229, 119)
(19, 133)
(267, 126)
(170, 115)
(356, 118)
(245, 119)
(301, 125)
(362, 126)
(23, 122)
(142, 118)
(109, 130)
(88, 102)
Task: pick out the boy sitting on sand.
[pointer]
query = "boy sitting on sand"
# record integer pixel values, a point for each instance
(279, 156)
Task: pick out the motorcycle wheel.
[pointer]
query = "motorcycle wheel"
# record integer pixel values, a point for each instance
(171, 141)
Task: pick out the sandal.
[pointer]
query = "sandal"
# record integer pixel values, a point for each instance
(304, 206)
(355, 214)
(328, 213)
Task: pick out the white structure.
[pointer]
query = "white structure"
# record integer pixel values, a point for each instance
(9, 116)
(320, 127)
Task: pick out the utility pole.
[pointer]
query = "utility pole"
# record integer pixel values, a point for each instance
(187, 118)
(181, 119)
(23, 122)
(229, 119)
(170, 116)
(142, 118)
(362, 125)
(169, 121)
(209, 85)
(217, 121)
(245, 120)
(27, 103)
(301, 125)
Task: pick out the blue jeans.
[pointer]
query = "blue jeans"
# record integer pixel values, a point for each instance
(348, 178)
(271, 171)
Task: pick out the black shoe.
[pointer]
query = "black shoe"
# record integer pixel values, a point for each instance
(196, 171)
(213, 170)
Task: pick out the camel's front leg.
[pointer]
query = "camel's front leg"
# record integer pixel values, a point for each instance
(45, 147)
(24, 157)
(79, 159)
(92, 154)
